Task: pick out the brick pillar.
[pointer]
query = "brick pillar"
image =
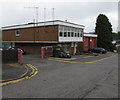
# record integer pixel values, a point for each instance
(20, 57)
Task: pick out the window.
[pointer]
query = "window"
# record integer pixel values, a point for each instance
(65, 29)
(68, 29)
(75, 34)
(72, 34)
(81, 35)
(71, 29)
(65, 34)
(68, 34)
(17, 33)
(61, 34)
(61, 28)
(78, 34)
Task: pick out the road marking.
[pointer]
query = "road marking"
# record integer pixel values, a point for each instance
(33, 73)
(25, 72)
(64, 58)
(82, 62)
(63, 61)
(87, 56)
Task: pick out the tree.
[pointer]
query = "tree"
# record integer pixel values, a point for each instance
(114, 36)
(118, 36)
(104, 31)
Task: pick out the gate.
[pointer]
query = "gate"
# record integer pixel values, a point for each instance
(46, 51)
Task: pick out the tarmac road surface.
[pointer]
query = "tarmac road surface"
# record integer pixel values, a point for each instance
(58, 79)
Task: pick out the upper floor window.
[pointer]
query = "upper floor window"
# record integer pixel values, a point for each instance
(61, 28)
(17, 32)
(61, 34)
(78, 34)
(65, 34)
(68, 34)
(81, 35)
(72, 34)
(66, 31)
(75, 34)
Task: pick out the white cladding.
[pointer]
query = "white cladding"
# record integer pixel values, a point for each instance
(70, 39)
(70, 34)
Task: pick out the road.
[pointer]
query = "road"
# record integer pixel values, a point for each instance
(59, 78)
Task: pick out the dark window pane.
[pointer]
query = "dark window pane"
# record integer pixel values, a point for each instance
(61, 34)
(78, 35)
(68, 34)
(65, 34)
(72, 34)
(75, 34)
(81, 35)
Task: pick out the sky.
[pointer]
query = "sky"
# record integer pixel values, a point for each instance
(83, 12)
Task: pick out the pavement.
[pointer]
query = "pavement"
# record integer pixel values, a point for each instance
(14, 71)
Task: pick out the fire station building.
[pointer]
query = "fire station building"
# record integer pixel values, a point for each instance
(90, 42)
(65, 35)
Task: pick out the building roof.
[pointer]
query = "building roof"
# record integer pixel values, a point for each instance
(90, 35)
(55, 22)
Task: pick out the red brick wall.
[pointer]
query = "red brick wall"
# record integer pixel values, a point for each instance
(79, 47)
(30, 48)
(48, 33)
(89, 45)
(33, 48)
(25, 35)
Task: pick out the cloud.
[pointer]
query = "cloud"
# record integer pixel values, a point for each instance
(84, 13)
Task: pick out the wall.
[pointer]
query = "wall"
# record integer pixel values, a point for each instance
(9, 56)
(80, 47)
(33, 48)
(89, 43)
(47, 33)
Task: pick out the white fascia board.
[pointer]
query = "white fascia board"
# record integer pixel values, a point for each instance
(69, 24)
(57, 22)
(90, 35)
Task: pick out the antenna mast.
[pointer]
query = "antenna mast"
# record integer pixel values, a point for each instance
(36, 22)
(53, 15)
(44, 15)
(36, 8)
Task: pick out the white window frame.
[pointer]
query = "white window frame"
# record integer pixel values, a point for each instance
(16, 33)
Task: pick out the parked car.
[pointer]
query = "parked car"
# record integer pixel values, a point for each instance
(61, 54)
(98, 50)
(16, 48)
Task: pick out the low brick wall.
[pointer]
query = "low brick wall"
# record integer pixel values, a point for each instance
(10, 56)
